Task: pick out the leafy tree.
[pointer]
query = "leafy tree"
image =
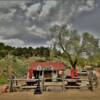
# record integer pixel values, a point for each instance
(2, 46)
(75, 45)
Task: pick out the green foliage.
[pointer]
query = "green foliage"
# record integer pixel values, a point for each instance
(76, 46)
(23, 52)
(3, 79)
(19, 67)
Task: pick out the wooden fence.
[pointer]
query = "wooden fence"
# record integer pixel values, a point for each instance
(20, 84)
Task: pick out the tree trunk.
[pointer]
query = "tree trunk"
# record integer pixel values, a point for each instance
(74, 71)
(73, 63)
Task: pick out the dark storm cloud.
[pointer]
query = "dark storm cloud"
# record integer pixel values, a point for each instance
(29, 21)
(89, 21)
(28, 38)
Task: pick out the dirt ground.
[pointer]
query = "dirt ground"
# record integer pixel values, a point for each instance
(70, 94)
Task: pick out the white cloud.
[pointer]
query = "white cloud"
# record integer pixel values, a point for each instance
(23, 6)
(13, 42)
(53, 40)
(69, 26)
(37, 31)
(8, 31)
(35, 45)
(10, 3)
(7, 16)
(91, 3)
(84, 8)
(46, 8)
(32, 11)
(42, 33)
(31, 28)
(64, 15)
(55, 23)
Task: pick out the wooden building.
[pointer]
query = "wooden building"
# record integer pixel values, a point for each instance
(48, 69)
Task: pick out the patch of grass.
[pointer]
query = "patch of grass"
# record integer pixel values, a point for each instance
(3, 79)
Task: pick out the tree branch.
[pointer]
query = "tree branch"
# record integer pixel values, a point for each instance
(64, 50)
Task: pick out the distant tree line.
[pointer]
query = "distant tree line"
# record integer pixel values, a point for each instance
(25, 52)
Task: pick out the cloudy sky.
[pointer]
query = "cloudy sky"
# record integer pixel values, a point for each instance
(28, 22)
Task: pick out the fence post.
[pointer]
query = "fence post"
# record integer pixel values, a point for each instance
(43, 80)
(11, 85)
(63, 85)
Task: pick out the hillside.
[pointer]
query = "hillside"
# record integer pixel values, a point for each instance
(17, 60)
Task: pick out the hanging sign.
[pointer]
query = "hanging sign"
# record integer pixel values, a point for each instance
(48, 68)
(39, 68)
